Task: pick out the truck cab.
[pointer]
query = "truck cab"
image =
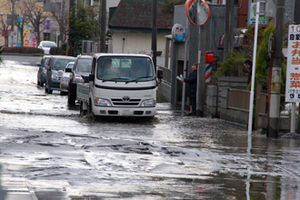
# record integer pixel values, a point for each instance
(120, 85)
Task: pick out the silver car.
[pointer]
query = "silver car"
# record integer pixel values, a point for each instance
(46, 46)
(64, 81)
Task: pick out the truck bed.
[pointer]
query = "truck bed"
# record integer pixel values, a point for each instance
(83, 92)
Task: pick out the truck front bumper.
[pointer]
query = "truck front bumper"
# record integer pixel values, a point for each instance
(124, 112)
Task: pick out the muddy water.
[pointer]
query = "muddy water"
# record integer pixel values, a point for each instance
(46, 144)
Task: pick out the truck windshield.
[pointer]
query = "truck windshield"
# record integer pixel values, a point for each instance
(125, 69)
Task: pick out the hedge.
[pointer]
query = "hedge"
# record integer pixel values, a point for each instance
(23, 50)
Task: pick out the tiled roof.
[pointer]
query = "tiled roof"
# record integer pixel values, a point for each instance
(137, 14)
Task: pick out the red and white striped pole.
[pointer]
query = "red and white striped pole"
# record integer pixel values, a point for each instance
(209, 59)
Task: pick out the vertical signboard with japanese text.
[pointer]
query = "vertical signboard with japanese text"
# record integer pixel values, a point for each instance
(27, 33)
(292, 85)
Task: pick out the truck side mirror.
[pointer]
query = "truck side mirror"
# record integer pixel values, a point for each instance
(39, 64)
(160, 74)
(92, 77)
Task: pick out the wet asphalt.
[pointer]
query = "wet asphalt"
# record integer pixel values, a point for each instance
(49, 151)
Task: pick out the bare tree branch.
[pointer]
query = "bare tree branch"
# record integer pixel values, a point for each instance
(36, 15)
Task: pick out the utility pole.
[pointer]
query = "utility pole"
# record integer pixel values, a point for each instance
(154, 31)
(229, 22)
(12, 22)
(276, 72)
(70, 43)
(103, 27)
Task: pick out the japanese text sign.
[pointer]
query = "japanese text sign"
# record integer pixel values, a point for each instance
(292, 85)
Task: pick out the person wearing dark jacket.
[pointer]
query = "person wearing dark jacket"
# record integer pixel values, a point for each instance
(192, 89)
(248, 65)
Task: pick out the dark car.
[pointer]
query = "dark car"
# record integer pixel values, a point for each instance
(41, 74)
(79, 74)
(55, 69)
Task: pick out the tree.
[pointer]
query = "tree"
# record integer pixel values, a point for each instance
(20, 23)
(84, 25)
(264, 62)
(61, 15)
(5, 30)
(36, 15)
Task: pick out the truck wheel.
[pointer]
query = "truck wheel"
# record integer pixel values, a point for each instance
(71, 97)
(46, 89)
(82, 112)
(50, 91)
(90, 109)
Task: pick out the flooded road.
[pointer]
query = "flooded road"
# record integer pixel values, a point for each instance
(49, 151)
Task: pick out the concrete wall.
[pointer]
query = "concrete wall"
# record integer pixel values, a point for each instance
(139, 43)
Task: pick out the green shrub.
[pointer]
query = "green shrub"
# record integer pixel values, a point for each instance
(232, 65)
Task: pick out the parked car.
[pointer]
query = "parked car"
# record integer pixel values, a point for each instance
(79, 74)
(64, 81)
(55, 68)
(46, 45)
(41, 74)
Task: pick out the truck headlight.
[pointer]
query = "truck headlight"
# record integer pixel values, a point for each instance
(102, 102)
(149, 103)
(78, 79)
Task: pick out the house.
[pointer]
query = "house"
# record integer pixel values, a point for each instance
(130, 26)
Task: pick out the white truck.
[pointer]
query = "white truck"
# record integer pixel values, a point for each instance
(120, 85)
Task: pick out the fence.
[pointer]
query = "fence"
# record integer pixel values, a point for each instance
(90, 47)
(230, 101)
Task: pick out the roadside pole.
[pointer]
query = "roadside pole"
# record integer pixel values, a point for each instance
(103, 27)
(154, 32)
(293, 118)
(186, 44)
(229, 21)
(250, 118)
(276, 72)
(201, 73)
(12, 22)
